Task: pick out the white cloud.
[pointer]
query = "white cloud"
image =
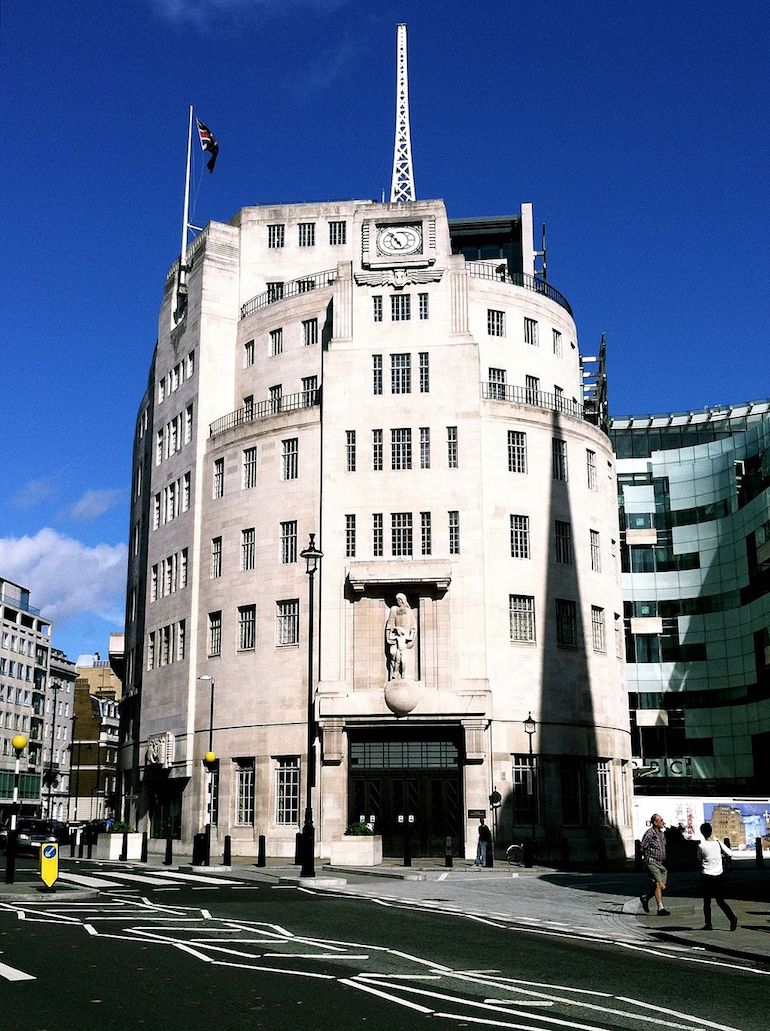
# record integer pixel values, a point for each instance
(33, 493)
(67, 578)
(203, 13)
(95, 503)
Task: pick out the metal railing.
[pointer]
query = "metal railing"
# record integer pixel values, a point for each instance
(536, 398)
(273, 406)
(500, 273)
(295, 287)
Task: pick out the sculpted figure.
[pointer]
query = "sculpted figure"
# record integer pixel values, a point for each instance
(400, 635)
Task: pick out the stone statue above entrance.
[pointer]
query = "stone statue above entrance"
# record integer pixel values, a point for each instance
(400, 637)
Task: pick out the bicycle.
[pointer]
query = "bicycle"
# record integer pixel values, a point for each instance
(515, 855)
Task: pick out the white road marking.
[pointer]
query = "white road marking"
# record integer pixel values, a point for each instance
(178, 876)
(12, 974)
(87, 882)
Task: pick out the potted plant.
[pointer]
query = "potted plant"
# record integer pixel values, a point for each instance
(109, 844)
(359, 846)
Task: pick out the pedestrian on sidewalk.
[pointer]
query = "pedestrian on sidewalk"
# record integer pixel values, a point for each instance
(710, 853)
(654, 859)
(485, 842)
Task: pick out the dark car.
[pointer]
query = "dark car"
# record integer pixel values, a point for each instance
(31, 833)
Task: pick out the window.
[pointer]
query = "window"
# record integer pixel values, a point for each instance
(276, 393)
(597, 629)
(377, 308)
(559, 459)
(495, 323)
(244, 792)
(183, 563)
(337, 233)
(572, 793)
(401, 534)
(276, 235)
(497, 380)
(604, 786)
(274, 291)
(377, 535)
(563, 543)
(426, 534)
(150, 656)
(219, 477)
(532, 390)
(401, 449)
(249, 467)
(188, 424)
(525, 790)
(276, 341)
(376, 373)
(521, 614)
(519, 536)
(309, 390)
(591, 469)
(290, 459)
(424, 447)
(558, 397)
(289, 541)
(350, 450)
(248, 548)
(159, 447)
(153, 589)
(424, 372)
(215, 633)
(530, 332)
(247, 624)
(306, 234)
(287, 622)
(423, 300)
(400, 373)
(216, 557)
(517, 451)
(596, 555)
(401, 307)
(451, 447)
(557, 343)
(454, 533)
(305, 285)
(566, 623)
(377, 450)
(309, 332)
(287, 792)
(248, 354)
(350, 536)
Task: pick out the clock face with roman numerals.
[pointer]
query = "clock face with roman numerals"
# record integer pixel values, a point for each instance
(399, 240)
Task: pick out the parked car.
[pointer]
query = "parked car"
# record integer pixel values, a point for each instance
(31, 833)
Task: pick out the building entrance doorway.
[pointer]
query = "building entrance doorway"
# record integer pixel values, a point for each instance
(411, 773)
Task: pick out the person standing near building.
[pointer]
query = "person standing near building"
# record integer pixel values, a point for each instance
(654, 859)
(710, 852)
(485, 842)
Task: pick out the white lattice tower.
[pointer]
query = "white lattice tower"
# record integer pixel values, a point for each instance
(402, 184)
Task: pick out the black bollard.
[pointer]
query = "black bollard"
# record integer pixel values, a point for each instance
(199, 849)
(261, 854)
(73, 835)
(227, 856)
(93, 839)
(407, 846)
(448, 852)
(758, 853)
(490, 859)
(10, 856)
(124, 848)
(638, 864)
(527, 853)
(298, 849)
(207, 845)
(81, 842)
(143, 855)
(169, 851)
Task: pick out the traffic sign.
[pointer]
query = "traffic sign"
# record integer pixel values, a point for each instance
(49, 863)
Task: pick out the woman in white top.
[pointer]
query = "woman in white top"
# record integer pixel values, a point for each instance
(710, 853)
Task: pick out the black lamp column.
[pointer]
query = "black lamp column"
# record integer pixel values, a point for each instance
(55, 688)
(209, 759)
(530, 726)
(19, 743)
(312, 557)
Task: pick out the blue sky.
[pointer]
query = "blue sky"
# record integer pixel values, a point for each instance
(638, 131)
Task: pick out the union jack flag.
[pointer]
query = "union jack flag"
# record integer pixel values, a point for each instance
(208, 143)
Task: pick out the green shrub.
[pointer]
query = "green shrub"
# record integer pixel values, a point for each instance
(360, 828)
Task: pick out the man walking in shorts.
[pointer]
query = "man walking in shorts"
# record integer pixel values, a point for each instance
(654, 859)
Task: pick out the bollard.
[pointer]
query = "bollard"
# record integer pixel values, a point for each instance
(199, 848)
(143, 855)
(93, 839)
(527, 853)
(227, 857)
(10, 856)
(758, 853)
(407, 846)
(207, 845)
(73, 836)
(490, 857)
(261, 856)
(169, 851)
(448, 852)
(298, 849)
(81, 842)
(638, 865)
(124, 848)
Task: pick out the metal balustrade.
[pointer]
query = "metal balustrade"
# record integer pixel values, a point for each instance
(500, 274)
(282, 291)
(263, 409)
(536, 398)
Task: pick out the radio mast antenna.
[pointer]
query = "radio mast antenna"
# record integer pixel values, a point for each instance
(402, 183)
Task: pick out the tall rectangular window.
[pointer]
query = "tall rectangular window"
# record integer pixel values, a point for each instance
(247, 626)
(337, 233)
(309, 390)
(495, 323)
(276, 341)
(350, 536)
(532, 390)
(596, 553)
(274, 291)
(287, 792)
(559, 459)
(400, 307)
(591, 469)
(452, 457)
(186, 492)
(566, 623)
(290, 458)
(377, 309)
(525, 783)
(426, 533)
(557, 343)
(276, 235)
(425, 447)
(215, 633)
(377, 535)
(287, 622)
(249, 467)
(244, 792)
(454, 533)
(424, 372)
(350, 450)
(401, 534)
(306, 234)
(289, 541)
(248, 354)
(248, 408)
(400, 373)
(521, 615)
(401, 449)
(424, 310)
(183, 564)
(497, 379)
(309, 332)
(188, 424)
(248, 548)
(376, 373)
(181, 640)
(216, 557)
(604, 786)
(219, 477)
(517, 451)
(520, 536)
(276, 392)
(597, 629)
(563, 543)
(530, 332)
(377, 450)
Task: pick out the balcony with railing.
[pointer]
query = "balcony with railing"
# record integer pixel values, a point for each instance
(535, 398)
(264, 409)
(499, 273)
(282, 291)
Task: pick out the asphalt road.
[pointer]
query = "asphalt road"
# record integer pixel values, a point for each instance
(228, 953)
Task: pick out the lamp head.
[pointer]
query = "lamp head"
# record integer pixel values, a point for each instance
(530, 725)
(19, 743)
(312, 556)
(210, 758)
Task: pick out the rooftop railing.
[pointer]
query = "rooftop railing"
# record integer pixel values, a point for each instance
(295, 287)
(263, 409)
(500, 273)
(536, 398)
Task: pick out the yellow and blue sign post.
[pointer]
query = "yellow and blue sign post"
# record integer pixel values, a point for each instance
(49, 862)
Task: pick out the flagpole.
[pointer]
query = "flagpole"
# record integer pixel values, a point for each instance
(182, 288)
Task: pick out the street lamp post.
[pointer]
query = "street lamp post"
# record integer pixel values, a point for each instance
(312, 556)
(19, 743)
(530, 726)
(69, 774)
(208, 762)
(55, 688)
